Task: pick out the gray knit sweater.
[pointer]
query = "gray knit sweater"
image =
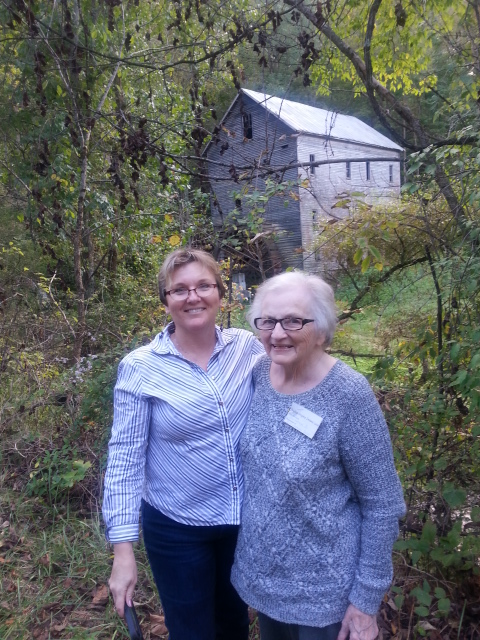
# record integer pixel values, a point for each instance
(320, 515)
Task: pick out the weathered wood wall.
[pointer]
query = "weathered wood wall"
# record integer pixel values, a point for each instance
(265, 148)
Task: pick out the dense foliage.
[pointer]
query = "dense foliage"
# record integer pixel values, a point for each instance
(105, 108)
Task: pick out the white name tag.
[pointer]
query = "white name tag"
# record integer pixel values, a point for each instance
(303, 420)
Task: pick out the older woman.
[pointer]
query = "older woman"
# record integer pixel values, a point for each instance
(180, 405)
(322, 497)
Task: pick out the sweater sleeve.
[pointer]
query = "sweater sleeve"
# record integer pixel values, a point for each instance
(366, 451)
(125, 473)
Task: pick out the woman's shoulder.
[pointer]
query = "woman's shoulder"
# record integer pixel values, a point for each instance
(261, 369)
(348, 375)
(142, 353)
(243, 338)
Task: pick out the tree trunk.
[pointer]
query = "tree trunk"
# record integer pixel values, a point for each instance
(77, 254)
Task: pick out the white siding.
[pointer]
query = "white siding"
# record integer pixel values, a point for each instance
(329, 184)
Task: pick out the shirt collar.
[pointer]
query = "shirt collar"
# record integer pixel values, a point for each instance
(163, 344)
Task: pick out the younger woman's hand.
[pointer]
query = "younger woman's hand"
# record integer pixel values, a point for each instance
(123, 577)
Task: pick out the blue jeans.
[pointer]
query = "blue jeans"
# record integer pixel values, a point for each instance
(275, 630)
(191, 566)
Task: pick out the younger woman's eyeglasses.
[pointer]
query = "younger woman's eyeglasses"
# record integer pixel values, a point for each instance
(181, 293)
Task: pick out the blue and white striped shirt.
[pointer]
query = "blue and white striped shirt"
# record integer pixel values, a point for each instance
(175, 434)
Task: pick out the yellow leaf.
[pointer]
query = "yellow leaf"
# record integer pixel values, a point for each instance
(174, 240)
(168, 217)
(156, 239)
(379, 266)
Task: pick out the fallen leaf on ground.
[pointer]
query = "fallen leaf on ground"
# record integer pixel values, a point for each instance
(80, 615)
(40, 633)
(100, 595)
(59, 627)
(154, 618)
(159, 629)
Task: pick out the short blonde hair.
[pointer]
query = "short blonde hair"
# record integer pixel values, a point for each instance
(181, 257)
(322, 300)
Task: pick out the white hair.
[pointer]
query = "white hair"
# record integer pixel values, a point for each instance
(321, 300)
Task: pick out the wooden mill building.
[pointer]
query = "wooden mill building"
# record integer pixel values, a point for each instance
(323, 155)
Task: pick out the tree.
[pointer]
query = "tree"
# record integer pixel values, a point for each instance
(106, 101)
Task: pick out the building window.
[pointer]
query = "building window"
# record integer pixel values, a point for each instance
(390, 172)
(348, 170)
(312, 166)
(314, 214)
(318, 256)
(247, 126)
(367, 167)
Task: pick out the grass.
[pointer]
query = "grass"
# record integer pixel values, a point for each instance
(54, 567)
(388, 316)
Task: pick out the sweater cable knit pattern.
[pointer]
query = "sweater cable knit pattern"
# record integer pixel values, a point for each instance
(320, 515)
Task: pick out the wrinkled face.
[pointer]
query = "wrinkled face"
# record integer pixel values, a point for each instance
(194, 313)
(290, 348)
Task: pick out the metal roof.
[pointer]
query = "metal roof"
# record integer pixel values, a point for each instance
(319, 122)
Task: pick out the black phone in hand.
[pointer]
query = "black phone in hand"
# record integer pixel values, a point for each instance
(132, 623)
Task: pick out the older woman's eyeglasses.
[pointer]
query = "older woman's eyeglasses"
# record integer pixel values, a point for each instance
(287, 324)
(181, 293)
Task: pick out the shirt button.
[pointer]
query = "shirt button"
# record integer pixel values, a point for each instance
(220, 403)
(227, 429)
(234, 488)
(231, 459)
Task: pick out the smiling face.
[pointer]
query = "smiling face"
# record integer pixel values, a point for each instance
(194, 313)
(290, 349)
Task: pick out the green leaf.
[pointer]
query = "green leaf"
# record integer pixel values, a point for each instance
(444, 605)
(366, 263)
(429, 532)
(399, 600)
(475, 361)
(422, 596)
(439, 592)
(401, 545)
(440, 464)
(341, 204)
(421, 611)
(460, 377)
(416, 555)
(357, 256)
(454, 497)
(454, 351)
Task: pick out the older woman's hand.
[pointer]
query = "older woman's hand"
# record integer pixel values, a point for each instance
(123, 577)
(359, 625)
